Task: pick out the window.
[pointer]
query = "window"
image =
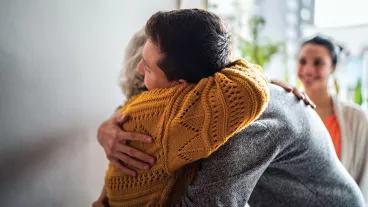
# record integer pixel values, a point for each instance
(340, 13)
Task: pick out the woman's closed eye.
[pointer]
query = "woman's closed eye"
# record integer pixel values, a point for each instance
(318, 62)
(147, 69)
(302, 61)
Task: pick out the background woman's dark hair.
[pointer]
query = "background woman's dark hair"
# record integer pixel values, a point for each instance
(318, 40)
(195, 43)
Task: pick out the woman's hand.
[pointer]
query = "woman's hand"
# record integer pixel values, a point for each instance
(300, 95)
(113, 139)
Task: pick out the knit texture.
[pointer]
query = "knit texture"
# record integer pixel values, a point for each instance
(187, 122)
(285, 158)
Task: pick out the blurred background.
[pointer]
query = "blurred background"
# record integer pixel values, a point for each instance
(269, 33)
(59, 67)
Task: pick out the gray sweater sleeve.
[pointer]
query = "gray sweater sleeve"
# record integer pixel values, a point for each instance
(230, 174)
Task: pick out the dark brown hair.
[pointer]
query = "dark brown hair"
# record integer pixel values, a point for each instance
(321, 41)
(195, 43)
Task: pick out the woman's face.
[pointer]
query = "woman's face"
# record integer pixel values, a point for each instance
(314, 66)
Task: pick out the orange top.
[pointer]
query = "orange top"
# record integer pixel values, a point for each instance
(333, 128)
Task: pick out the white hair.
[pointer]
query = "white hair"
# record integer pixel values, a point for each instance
(130, 81)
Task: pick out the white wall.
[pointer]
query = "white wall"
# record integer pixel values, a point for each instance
(354, 37)
(273, 11)
(59, 63)
(344, 13)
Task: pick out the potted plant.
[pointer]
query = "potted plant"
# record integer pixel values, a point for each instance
(259, 49)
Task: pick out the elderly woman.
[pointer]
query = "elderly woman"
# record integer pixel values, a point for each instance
(131, 83)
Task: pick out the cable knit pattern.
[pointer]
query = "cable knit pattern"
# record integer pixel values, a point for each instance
(187, 122)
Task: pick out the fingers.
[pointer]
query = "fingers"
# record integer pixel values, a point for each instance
(285, 86)
(304, 97)
(115, 116)
(114, 142)
(134, 153)
(122, 168)
(121, 135)
(122, 118)
(309, 102)
(299, 95)
(131, 161)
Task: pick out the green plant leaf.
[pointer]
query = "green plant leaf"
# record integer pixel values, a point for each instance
(358, 96)
(259, 50)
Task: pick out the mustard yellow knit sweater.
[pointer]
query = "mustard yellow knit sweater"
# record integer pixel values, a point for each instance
(187, 122)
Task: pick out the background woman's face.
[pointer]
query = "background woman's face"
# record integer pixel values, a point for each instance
(314, 66)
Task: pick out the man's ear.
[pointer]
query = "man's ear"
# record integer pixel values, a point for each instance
(182, 81)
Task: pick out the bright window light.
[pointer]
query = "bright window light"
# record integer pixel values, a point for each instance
(340, 13)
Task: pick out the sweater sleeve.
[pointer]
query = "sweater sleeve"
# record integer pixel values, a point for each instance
(189, 122)
(361, 151)
(205, 117)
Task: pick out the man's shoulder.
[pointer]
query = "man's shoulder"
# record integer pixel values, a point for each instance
(284, 101)
(286, 120)
(285, 111)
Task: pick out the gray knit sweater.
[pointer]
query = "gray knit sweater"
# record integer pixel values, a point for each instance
(285, 158)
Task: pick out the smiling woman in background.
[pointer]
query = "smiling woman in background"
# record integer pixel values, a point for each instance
(346, 122)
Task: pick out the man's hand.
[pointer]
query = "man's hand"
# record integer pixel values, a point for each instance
(113, 139)
(301, 96)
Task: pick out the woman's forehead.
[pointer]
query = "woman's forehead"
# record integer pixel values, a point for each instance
(313, 50)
